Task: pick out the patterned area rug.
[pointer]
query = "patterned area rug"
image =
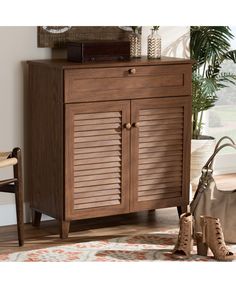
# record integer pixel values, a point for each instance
(150, 247)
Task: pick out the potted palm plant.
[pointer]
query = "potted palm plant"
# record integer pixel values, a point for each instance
(209, 47)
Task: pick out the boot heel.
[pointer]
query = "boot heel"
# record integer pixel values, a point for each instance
(212, 236)
(202, 248)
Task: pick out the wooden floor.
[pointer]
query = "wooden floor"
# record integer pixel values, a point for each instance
(86, 230)
(100, 228)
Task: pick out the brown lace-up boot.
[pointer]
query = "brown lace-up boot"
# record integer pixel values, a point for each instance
(184, 243)
(212, 237)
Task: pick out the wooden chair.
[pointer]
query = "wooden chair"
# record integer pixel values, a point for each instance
(14, 185)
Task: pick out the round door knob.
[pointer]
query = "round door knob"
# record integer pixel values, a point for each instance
(136, 124)
(128, 126)
(132, 71)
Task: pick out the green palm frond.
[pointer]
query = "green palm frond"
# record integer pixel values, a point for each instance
(224, 79)
(230, 55)
(204, 91)
(209, 47)
(208, 42)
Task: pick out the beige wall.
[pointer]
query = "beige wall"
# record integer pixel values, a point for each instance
(19, 44)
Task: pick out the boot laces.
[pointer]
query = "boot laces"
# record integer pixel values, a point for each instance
(220, 240)
(183, 237)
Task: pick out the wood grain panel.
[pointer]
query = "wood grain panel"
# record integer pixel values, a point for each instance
(96, 182)
(97, 121)
(160, 116)
(157, 138)
(96, 166)
(96, 188)
(160, 175)
(79, 86)
(161, 127)
(159, 153)
(160, 185)
(161, 143)
(166, 164)
(96, 199)
(104, 94)
(90, 116)
(44, 147)
(163, 132)
(87, 151)
(96, 204)
(166, 148)
(98, 176)
(98, 141)
(159, 196)
(98, 132)
(153, 159)
(159, 180)
(156, 112)
(164, 170)
(96, 160)
(97, 127)
(166, 121)
(160, 191)
(96, 155)
(100, 171)
(97, 193)
(88, 85)
(97, 138)
(119, 72)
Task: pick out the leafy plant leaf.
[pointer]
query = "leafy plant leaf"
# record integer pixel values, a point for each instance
(209, 47)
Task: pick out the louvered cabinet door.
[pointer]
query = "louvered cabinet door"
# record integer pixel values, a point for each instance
(97, 159)
(160, 148)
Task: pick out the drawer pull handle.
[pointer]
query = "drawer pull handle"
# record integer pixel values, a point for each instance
(128, 126)
(136, 124)
(132, 71)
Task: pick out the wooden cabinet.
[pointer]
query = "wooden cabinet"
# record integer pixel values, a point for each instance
(108, 138)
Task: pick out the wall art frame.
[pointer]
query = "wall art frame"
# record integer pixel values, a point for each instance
(58, 36)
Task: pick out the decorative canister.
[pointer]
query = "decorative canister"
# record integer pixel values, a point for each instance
(135, 42)
(154, 44)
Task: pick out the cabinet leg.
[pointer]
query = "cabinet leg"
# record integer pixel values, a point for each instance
(36, 218)
(64, 229)
(182, 209)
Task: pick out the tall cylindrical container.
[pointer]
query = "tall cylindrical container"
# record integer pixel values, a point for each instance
(154, 45)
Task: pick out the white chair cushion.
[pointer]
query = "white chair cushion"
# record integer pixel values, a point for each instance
(4, 161)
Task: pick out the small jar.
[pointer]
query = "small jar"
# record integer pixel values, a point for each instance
(135, 44)
(154, 45)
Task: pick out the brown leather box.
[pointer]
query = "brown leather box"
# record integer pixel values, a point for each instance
(98, 51)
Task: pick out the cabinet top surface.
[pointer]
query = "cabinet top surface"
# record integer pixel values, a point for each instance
(143, 61)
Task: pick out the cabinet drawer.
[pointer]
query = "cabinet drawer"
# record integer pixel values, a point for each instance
(86, 85)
